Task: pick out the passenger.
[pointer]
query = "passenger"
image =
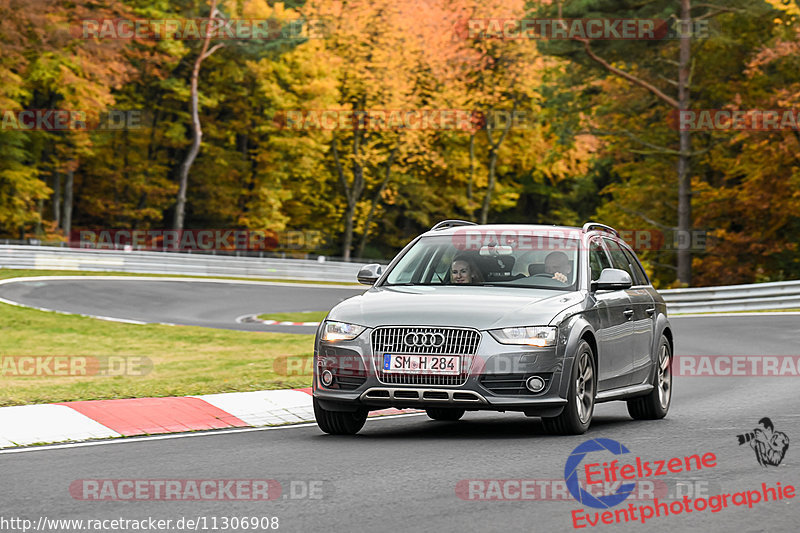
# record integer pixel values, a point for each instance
(463, 270)
(559, 265)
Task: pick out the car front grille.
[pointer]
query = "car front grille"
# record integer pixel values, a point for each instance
(429, 340)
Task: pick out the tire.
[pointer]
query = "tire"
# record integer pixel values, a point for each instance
(656, 404)
(447, 414)
(577, 414)
(339, 422)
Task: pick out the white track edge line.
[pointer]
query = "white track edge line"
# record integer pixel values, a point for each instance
(125, 440)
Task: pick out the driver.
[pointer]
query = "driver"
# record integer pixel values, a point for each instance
(463, 270)
(559, 265)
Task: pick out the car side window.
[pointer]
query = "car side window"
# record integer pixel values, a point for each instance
(620, 260)
(641, 275)
(598, 260)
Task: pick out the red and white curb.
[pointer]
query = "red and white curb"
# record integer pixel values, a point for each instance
(276, 323)
(102, 419)
(254, 318)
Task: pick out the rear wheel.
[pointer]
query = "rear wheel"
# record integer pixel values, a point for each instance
(656, 404)
(339, 422)
(445, 413)
(577, 414)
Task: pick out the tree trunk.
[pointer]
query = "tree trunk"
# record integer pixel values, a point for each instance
(40, 212)
(197, 136)
(349, 215)
(375, 199)
(352, 192)
(684, 177)
(471, 181)
(68, 200)
(489, 187)
(197, 132)
(684, 255)
(493, 148)
(57, 197)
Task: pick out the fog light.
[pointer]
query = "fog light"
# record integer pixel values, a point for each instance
(327, 377)
(535, 384)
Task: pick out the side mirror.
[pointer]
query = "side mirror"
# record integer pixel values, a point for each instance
(369, 274)
(612, 279)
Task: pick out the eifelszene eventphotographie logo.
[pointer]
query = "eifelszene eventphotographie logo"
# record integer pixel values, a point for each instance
(624, 472)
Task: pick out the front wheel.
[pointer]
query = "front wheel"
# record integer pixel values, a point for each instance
(656, 404)
(447, 414)
(339, 422)
(577, 414)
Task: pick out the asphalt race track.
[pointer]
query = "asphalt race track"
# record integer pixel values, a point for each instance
(401, 473)
(214, 304)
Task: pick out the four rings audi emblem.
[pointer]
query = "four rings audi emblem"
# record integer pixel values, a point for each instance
(424, 340)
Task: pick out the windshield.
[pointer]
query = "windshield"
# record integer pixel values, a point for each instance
(538, 260)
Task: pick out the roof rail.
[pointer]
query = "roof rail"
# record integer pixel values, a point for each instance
(590, 226)
(444, 224)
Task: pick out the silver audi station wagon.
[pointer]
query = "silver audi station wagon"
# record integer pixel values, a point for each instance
(546, 320)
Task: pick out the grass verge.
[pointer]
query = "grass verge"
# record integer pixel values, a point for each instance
(185, 360)
(303, 316)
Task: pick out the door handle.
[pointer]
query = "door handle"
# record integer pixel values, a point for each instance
(628, 313)
(650, 311)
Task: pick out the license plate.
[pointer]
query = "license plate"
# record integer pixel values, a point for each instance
(445, 365)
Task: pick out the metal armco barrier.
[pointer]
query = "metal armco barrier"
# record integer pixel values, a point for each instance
(753, 297)
(51, 258)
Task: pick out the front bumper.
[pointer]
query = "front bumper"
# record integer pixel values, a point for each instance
(494, 382)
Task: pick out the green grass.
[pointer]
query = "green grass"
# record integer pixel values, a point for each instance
(185, 360)
(19, 273)
(304, 316)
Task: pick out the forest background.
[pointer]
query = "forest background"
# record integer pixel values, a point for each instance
(593, 135)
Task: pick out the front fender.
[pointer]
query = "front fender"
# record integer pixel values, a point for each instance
(570, 333)
(662, 324)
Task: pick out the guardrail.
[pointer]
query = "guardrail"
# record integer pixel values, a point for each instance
(753, 297)
(51, 258)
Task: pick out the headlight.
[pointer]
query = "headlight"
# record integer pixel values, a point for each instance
(530, 336)
(341, 331)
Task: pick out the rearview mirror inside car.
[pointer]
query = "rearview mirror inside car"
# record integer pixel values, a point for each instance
(495, 250)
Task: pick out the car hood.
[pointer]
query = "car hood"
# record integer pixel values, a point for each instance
(473, 306)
